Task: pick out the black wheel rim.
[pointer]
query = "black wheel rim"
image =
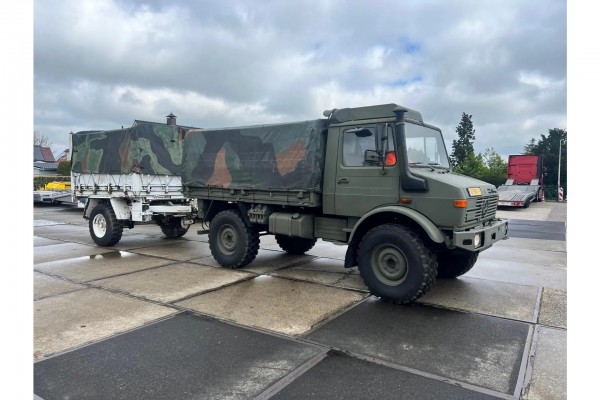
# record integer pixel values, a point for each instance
(227, 239)
(389, 264)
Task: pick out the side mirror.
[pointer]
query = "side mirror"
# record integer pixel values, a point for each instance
(372, 157)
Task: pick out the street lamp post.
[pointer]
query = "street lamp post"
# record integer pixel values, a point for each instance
(560, 143)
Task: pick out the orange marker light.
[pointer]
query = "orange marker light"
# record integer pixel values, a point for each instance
(460, 203)
(405, 200)
(390, 158)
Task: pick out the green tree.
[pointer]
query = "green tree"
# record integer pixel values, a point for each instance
(495, 168)
(64, 168)
(548, 147)
(462, 148)
(473, 165)
(41, 140)
(530, 148)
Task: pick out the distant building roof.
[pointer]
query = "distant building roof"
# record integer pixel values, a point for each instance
(45, 166)
(63, 156)
(41, 153)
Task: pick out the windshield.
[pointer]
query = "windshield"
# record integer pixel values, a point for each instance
(425, 146)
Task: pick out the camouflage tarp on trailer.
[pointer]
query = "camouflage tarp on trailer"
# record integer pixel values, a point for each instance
(145, 148)
(267, 157)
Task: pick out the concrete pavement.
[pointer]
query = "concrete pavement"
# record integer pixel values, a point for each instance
(156, 318)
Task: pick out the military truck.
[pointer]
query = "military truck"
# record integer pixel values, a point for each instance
(131, 176)
(376, 179)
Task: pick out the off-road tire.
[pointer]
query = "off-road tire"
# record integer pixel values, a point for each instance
(173, 229)
(105, 229)
(395, 264)
(294, 245)
(454, 263)
(231, 242)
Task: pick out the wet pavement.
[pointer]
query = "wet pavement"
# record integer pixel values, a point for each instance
(156, 318)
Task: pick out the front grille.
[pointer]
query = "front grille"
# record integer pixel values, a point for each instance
(485, 207)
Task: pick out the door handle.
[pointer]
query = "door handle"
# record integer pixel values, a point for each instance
(343, 180)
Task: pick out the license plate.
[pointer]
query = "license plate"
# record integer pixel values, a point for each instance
(504, 203)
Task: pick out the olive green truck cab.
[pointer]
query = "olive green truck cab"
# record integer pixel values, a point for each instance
(374, 178)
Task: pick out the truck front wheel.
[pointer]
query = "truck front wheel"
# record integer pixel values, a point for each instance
(231, 242)
(455, 263)
(395, 264)
(105, 228)
(174, 228)
(294, 245)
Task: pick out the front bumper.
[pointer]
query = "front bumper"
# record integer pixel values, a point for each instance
(489, 234)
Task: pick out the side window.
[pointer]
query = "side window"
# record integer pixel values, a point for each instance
(368, 146)
(356, 142)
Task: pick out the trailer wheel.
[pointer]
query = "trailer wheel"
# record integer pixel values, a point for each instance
(231, 242)
(105, 228)
(174, 228)
(294, 245)
(454, 263)
(395, 264)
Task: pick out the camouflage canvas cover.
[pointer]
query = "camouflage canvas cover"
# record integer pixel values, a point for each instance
(270, 157)
(146, 148)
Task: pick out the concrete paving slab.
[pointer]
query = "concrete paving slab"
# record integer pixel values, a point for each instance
(549, 378)
(70, 320)
(325, 278)
(63, 232)
(535, 212)
(550, 230)
(173, 282)
(328, 249)
(341, 377)
(265, 262)
(268, 241)
(532, 244)
(274, 304)
(485, 297)
(180, 250)
(46, 286)
(89, 268)
(41, 241)
(519, 273)
(320, 249)
(471, 348)
(538, 257)
(64, 251)
(321, 264)
(553, 311)
(184, 357)
(354, 282)
(322, 270)
(45, 222)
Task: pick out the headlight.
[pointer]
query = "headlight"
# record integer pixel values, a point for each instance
(477, 240)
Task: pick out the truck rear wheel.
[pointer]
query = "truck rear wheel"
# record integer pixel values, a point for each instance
(231, 242)
(105, 228)
(294, 245)
(174, 228)
(395, 264)
(454, 263)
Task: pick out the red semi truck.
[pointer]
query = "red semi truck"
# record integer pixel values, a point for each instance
(525, 181)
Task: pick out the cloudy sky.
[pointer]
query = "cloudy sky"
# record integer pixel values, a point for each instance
(103, 64)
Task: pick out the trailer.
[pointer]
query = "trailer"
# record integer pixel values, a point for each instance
(525, 183)
(55, 192)
(131, 176)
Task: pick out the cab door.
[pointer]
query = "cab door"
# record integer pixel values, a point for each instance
(367, 170)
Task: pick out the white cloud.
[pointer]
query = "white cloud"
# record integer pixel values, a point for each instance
(100, 65)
